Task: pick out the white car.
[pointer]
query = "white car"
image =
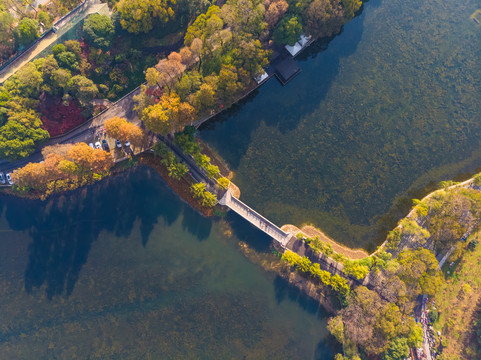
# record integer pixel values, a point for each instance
(127, 144)
(9, 179)
(2, 178)
(118, 144)
(97, 145)
(92, 146)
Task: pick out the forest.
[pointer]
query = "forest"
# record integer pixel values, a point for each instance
(225, 46)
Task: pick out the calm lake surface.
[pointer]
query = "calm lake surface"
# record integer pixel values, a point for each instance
(392, 104)
(126, 270)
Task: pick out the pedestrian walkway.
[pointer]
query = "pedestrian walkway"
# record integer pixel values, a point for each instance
(255, 219)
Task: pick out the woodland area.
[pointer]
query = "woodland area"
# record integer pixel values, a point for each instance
(225, 48)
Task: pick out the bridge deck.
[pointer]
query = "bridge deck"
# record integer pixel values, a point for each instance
(256, 219)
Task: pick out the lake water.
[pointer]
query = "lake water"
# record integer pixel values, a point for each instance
(125, 270)
(391, 104)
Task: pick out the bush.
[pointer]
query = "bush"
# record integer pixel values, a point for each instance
(433, 316)
(472, 244)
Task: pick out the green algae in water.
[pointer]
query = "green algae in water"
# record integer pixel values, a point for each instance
(125, 270)
(390, 105)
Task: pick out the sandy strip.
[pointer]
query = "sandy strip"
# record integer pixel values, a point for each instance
(311, 231)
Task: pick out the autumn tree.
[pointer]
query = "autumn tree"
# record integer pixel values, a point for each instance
(324, 18)
(168, 115)
(138, 15)
(205, 97)
(350, 8)
(275, 12)
(122, 130)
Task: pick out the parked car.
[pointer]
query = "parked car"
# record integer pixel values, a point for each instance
(92, 146)
(97, 145)
(105, 145)
(118, 144)
(2, 178)
(9, 179)
(127, 144)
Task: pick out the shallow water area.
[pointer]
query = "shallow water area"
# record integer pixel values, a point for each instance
(125, 270)
(387, 106)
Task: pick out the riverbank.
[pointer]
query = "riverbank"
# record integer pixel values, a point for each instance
(180, 187)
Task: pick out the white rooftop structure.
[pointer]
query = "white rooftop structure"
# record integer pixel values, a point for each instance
(261, 77)
(299, 45)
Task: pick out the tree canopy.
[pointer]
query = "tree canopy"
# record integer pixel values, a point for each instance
(99, 31)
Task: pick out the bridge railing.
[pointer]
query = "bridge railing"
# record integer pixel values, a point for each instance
(248, 210)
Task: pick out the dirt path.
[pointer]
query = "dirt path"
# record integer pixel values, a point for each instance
(311, 231)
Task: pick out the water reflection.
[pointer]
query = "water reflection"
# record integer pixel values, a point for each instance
(124, 269)
(64, 227)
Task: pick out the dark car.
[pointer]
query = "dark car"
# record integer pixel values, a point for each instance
(105, 145)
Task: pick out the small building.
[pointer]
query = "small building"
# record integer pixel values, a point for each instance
(299, 45)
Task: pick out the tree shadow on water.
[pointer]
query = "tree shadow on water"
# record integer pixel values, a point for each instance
(284, 290)
(197, 225)
(63, 228)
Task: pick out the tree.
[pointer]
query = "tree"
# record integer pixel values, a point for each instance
(204, 98)
(275, 12)
(188, 84)
(99, 31)
(244, 17)
(45, 18)
(204, 26)
(137, 15)
(228, 84)
(223, 182)
(20, 134)
(83, 89)
(49, 65)
(113, 126)
(177, 170)
(197, 190)
(212, 171)
(288, 30)
(61, 80)
(350, 8)
(170, 70)
(208, 199)
(27, 31)
(29, 80)
(168, 115)
(398, 350)
(324, 18)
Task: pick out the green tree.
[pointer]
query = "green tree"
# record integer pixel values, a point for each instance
(212, 171)
(288, 30)
(208, 199)
(27, 31)
(20, 135)
(83, 89)
(29, 80)
(177, 170)
(398, 350)
(138, 15)
(45, 18)
(197, 190)
(99, 31)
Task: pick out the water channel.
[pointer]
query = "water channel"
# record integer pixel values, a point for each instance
(125, 270)
(388, 106)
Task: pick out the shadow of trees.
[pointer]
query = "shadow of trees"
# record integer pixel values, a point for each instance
(64, 227)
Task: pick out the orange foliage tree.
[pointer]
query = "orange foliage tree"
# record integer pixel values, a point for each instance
(65, 168)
